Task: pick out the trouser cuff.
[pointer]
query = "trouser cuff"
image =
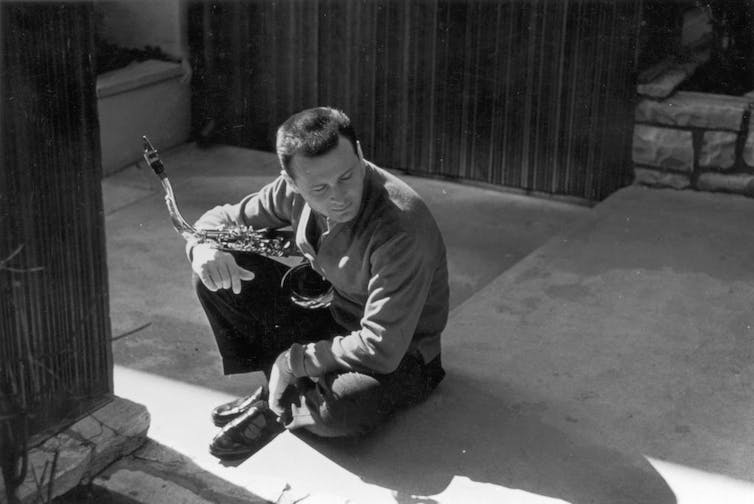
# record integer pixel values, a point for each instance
(237, 366)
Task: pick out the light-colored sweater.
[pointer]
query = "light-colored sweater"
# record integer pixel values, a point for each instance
(388, 268)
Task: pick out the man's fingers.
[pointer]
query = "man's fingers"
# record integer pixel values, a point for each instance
(216, 268)
(246, 274)
(275, 407)
(239, 274)
(219, 271)
(216, 278)
(226, 272)
(235, 278)
(208, 281)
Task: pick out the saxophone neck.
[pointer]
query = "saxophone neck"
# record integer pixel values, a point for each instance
(231, 238)
(179, 223)
(155, 163)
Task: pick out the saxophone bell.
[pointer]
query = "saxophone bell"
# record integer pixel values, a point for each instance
(307, 288)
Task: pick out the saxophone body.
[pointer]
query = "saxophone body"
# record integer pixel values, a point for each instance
(305, 286)
(244, 239)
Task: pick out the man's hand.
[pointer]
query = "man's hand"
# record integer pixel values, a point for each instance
(218, 269)
(281, 376)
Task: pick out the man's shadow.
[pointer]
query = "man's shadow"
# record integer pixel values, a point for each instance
(463, 431)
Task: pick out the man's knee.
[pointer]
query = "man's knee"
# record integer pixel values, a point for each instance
(345, 421)
(347, 405)
(351, 404)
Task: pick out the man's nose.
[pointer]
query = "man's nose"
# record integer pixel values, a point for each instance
(337, 194)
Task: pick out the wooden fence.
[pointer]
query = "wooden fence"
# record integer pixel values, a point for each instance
(535, 95)
(55, 352)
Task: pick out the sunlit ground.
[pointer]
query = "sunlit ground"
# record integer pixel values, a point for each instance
(180, 420)
(693, 486)
(613, 366)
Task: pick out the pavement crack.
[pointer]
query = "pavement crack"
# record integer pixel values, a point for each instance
(132, 331)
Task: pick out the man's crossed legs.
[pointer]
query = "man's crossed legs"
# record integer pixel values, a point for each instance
(253, 327)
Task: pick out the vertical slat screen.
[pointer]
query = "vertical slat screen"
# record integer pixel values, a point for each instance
(54, 318)
(535, 95)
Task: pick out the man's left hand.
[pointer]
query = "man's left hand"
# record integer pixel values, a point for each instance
(281, 376)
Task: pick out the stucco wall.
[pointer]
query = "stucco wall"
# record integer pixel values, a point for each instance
(139, 23)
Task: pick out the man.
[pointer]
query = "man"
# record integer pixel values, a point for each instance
(342, 370)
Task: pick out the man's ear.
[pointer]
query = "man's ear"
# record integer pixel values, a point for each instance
(289, 180)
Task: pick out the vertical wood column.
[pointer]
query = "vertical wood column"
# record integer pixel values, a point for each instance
(54, 316)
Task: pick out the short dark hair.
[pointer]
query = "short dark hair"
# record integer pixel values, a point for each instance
(313, 132)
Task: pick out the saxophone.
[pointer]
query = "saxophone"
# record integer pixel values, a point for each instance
(305, 286)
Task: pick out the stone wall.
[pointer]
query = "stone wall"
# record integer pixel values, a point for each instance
(695, 141)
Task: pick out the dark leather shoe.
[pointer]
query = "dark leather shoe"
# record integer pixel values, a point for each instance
(224, 413)
(247, 434)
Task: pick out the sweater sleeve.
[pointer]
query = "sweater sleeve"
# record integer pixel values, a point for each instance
(398, 287)
(270, 207)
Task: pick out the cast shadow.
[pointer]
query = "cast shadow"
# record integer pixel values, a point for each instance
(462, 431)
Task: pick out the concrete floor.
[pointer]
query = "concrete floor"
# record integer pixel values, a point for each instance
(614, 364)
(149, 275)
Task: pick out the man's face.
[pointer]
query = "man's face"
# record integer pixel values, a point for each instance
(333, 183)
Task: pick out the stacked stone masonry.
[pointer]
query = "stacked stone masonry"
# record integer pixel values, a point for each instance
(696, 141)
(77, 454)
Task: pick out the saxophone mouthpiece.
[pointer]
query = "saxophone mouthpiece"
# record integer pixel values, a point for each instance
(147, 144)
(152, 159)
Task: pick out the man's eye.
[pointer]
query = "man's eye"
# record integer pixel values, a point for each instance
(346, 177)
(318, 189)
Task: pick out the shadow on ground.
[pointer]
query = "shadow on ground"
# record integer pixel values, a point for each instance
(627, 337)
(464, 432)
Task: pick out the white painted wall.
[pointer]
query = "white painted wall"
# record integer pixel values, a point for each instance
(152, 98)
(139, 23)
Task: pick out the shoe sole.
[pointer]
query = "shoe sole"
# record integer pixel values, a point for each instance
(235, 455)
(231, 455)
(220, 420)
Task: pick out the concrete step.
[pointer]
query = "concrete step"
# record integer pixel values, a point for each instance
(82, 450)
(156, 473)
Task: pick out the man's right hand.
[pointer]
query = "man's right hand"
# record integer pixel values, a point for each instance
(218, 269)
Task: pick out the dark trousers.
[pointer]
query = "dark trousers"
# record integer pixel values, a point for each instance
(253, 327)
